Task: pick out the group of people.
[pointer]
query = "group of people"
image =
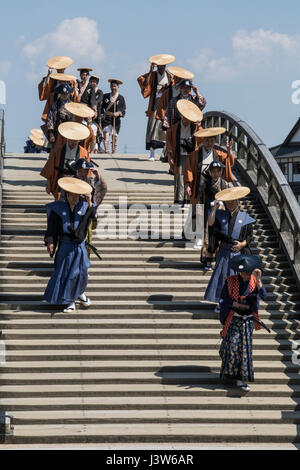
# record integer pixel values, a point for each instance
(202, 175)
(59, 90)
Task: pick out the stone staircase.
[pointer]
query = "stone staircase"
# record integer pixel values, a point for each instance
(141, 365)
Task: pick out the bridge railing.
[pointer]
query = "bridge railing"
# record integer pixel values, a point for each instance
(2, 153)
(266, 180)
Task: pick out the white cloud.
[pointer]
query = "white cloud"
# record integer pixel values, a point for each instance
(5, 67)
(259, 51)
(77, 37)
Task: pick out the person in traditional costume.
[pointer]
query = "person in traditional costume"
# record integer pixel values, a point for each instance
(198, 162)
(186, 87)
(113, 109)
(233, 229)
(153, 84)
(35, 144)
(211, 184)
(67, 225)
(85, 90)
(172, 91)
(96, 120)
(58, 113)
(180, 143)
(82, 114)
(58, 163)
(239, 307)
(86, 171)
(52, 80)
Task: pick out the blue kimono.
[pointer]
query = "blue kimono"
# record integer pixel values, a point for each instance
(236, 348)
(68, 230)
(240, 231)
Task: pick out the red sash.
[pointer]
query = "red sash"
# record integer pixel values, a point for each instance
(233, 285)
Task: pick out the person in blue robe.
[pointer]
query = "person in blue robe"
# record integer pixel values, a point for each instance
(239, 307)
(232, 228)
(67, 227)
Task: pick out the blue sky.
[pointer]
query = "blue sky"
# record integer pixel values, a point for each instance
(245, 56)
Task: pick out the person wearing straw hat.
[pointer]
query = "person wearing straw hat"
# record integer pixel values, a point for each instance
(113, 109)
(180, 143)
(233, 229)
(85, 90)
(96, 120)
(61, 157)
(239, 307)
(199, 161)
(35, 144)
(186, 87)
(50, 82)
(152, 85)
(82, 114)
(58, 113)
(211, 184)
(67, 225)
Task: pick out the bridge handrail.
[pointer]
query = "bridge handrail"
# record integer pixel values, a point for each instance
(266, 180)
(2, 153)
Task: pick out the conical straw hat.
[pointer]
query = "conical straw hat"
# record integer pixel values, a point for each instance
(162, 59)
(73, 131)
(60, 62)
(37, 140)
(63, 77)
(80, 109)
(85, 68)
(37, 132)
(233, 194)
(189, 110)
(180, 72)
(74, 185)
(119, 82)
(210, 132)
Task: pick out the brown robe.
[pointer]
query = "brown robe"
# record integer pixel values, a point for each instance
(46, 93)
(148, 90)
(51, 174)
(162, 105)
(172, 146)
(191, 170)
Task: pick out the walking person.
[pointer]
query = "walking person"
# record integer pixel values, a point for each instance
(239, 315)
(113, 109)
(67, 225)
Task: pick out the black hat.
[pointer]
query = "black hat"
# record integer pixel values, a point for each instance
(245, 263)
(63, 88)
(186, 83)
(80, 164)
(216, 164)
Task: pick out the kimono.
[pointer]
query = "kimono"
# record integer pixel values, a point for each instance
(236, 347)
(172, 115)
(226, 229)
(171, 92)
(194, 169)
(153, 89)
(55, 166)
(88, 96)
(30, 147)
(67, 230)
(56, 116)
(119, 108)
(46, 93)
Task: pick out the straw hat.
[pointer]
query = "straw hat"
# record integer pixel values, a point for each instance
(162, 59)
(119, 82)
(74, 185)
(37, 140)
(63, 77)
(88, 69)
(73, 131)
(60, 62)
(189, 110)
(210, 132)
(180, 72)
(79, 109)
(36, 132)
(233, 194)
